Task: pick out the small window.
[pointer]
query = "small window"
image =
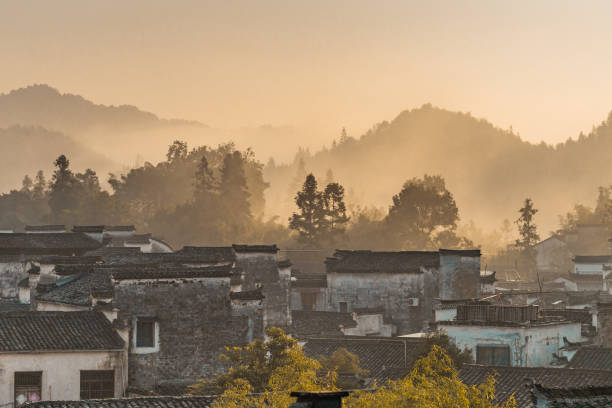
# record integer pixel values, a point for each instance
(97, 384)
(28, 386)
(145, 332)
(493, 355)
(343, 307)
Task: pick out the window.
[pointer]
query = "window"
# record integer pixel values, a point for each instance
(145, 335)
(145, 332)
(97, 384)
(493, 355)
(343, 307)
(28, 386)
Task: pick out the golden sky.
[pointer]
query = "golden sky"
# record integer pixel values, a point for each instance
(541, 66)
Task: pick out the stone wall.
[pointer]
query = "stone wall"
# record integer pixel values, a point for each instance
(459, 276)
(262, 269)
(195, 321)
(405, 297)
(604, 324)
(10, 275)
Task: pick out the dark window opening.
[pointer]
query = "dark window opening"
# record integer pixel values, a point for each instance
(28, 386)
(145, 332)
(97, 384)
(343, 307)
(309, 301)
(493, 355)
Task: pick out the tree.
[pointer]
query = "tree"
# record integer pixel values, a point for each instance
(177, 151)
(423, 213)
(234, 196)
(433, 383)
(441, 340)
(272, 368)
(62, 197)
(335, 210)
(528, 235)
(346, 366)
(311, 216)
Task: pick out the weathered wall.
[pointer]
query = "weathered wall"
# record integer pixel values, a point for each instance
(10, 275)
(320, 298)
(60, 372)
(604, 324)
(529, 346)
(262, 269)
(195, 323)
(368, 325)
(459, 277)
(405, 297)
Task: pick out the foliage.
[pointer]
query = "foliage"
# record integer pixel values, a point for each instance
(346, 365)
(321, 218)
(439, 339)
(269, 370)
(424, 215)
(528, 235)
(432, 383)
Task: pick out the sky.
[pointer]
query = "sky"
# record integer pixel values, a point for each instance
(538, 66)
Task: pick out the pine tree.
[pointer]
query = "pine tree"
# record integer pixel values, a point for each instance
(528, 235)
(335, 209)
(311, 215)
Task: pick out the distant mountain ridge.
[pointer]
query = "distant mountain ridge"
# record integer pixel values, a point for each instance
(42, 105)
(489, 170)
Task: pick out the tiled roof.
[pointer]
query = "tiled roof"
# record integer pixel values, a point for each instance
(76, 290)
(587, 397)
(284, 263)
(320, 323)
(382, 262)
(70, 260)
(384, 358)
(13, 306)
(119, 228)
(140, 402)
(309, 280)
(460, 252)
(593, 259)
(255, 248)
(53, 240)
(595, 358)
(247, 295)
(56, 331)
(514, 379)
(45, 228)
(206, 254)
(170, 272)
(88, 228)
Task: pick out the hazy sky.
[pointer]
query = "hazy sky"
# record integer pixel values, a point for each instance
(541, 66)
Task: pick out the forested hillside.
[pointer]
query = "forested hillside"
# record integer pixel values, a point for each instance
(488, 169)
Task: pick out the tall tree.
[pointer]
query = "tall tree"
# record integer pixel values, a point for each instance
(234, 196)
(423, 213)
(63, 196)
(528, 235)
(335, 210)
(311, 213)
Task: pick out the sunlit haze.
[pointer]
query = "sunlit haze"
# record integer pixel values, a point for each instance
(540, 67)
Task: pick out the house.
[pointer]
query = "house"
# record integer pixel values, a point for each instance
(60, 355)
(551, 254)
(308, 291)
(574, 397)
(516, 380)
(505, 335)
(403, 284)
(179, 320)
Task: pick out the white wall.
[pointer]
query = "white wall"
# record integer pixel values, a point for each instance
(61, 372)
(529, 346)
